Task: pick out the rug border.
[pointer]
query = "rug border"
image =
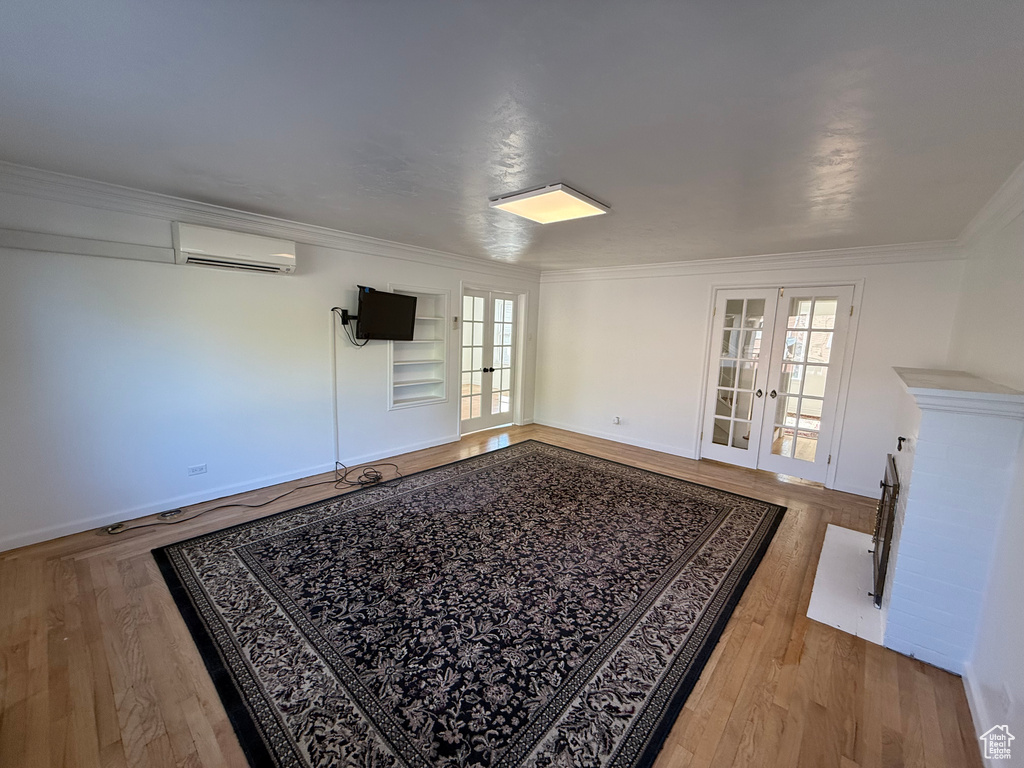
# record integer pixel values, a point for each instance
(246, 730)
(685, 686)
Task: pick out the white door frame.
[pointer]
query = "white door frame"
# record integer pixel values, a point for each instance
(522, 313)
(844, 375)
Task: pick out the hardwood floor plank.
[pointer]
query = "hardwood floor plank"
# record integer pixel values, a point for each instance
(97, 667)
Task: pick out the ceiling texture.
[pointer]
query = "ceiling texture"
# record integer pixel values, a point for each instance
(712, 129)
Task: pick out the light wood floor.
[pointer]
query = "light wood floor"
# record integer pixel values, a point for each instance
(98, 669)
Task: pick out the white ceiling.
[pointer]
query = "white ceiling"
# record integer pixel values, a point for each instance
(712, 129)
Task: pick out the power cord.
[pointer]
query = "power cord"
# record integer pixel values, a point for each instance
(369, 475)
(348, 327)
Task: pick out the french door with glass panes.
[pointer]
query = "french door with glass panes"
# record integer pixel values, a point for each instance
(774, 378)
(488, 359)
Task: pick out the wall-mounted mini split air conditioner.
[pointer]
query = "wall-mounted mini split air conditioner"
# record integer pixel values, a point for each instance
(209, 247)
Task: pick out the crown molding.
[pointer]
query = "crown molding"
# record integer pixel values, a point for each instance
(49, 185)
(1002, 208)
(938, 250)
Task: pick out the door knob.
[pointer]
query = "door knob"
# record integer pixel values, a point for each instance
(487, 370)
(773, 394)
(759, 392)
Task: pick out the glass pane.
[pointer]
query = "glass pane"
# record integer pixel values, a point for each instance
(751, 344)
(506, 335)
(508, 310)
(506, 402)
(806, 445)
(730, 343)
(787, 411)
(477, 381)
(755, 314)
(465, 408)
(467, 358)
(506, 357)
(495, 403)
(810, 408)
(733, 313)
(475, 409)
(799, 313)
(744, 405)
(723, 403)
(727, 373)
(496, 357)
(497, 334)
(824, 313)
(820, 347)
(782, 442)
(720, 436)
(498, 310)
(815, 380)
(746, 378)
(467, 380)
(478, 334)
(740, 434)
(796, 343)
(467, 334)
(478, 308)
(467, 308)
(478, 359)
(789, 381)
(506, 378)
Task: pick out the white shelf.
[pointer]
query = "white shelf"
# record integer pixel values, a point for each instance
(403, 401)
(430, 337)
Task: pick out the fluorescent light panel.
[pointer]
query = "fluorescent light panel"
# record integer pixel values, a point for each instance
(555, 202)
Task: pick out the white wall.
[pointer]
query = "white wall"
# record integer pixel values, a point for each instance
(116, 375)
(988, 340)
(635, 347)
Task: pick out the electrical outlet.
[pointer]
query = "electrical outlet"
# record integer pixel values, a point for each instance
(197, 469)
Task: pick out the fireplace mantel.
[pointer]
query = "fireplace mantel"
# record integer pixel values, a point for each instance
(964, 435)
(960, 392)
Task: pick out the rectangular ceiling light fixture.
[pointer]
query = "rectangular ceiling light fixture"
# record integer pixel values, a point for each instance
(555, 202)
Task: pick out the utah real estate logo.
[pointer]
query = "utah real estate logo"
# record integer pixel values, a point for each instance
(997, 742)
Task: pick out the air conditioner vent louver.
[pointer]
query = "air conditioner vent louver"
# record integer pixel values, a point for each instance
(209, 247)
(203, 262)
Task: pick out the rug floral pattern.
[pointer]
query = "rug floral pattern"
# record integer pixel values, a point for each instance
(528, 607)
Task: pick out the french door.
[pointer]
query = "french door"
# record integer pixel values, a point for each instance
(488, 359)
(774, 378)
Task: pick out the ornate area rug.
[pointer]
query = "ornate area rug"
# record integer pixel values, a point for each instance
(528, 607)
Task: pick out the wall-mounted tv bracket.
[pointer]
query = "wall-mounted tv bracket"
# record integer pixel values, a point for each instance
(346, 317)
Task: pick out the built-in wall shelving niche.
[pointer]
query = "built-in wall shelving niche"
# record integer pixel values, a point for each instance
(418, 369)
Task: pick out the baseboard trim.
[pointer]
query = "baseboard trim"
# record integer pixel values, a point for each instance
(48, 533)
(353, 461)
(78, 526)
(975, 702)
(618, 438)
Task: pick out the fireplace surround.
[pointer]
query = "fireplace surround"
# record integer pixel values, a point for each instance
(963, 434)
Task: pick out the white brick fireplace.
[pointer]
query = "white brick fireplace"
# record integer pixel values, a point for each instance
(955, 471)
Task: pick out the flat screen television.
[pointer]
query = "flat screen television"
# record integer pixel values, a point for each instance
(387, 316)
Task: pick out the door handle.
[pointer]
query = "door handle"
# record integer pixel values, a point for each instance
(487, 370)
(759, 392)
(773, 394)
